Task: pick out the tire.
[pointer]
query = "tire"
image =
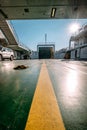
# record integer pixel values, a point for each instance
(11, 58)
(1, 58)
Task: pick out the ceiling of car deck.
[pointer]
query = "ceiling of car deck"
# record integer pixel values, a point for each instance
(42, 9)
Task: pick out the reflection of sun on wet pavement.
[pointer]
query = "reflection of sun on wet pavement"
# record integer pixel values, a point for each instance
(71, 82)
(7, 67)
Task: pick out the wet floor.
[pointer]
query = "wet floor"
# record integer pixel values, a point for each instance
(70, 85)
(17, 88)
(16, 92)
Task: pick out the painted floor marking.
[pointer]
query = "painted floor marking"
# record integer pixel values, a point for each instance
(44, 113)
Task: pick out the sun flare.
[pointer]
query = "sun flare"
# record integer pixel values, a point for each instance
(74, 27)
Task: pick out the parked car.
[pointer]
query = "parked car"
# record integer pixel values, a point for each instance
(6, 53)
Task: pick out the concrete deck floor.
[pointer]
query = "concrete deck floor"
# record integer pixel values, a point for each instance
(50, 93)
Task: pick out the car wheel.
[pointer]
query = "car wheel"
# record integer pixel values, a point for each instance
(1, 58)
(11, 58)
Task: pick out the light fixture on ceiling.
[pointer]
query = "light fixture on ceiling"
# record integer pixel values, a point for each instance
(53, 12)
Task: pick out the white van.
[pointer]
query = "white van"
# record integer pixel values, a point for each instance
(6, 53)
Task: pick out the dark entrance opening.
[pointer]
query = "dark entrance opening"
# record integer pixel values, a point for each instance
(45, 52)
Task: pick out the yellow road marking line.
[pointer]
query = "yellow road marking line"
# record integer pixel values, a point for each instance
(44, 113)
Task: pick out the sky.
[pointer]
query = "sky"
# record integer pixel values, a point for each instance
(32, 32)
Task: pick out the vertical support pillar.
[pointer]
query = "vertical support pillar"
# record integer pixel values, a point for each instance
(69, 44)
